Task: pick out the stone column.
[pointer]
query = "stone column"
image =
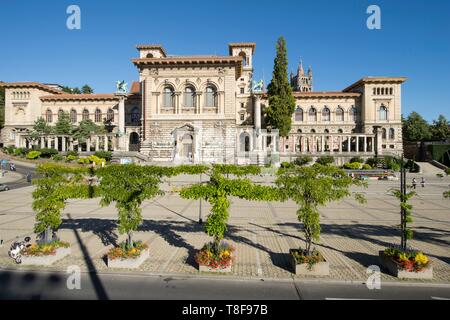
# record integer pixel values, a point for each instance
(49, 142)
(331, 144)
(357, 143)
(105, 140)
(257, 122)
(88, 144)
(341, 141)
(199, 103)
(42, 142)
(365, 144)
(349, 144)
(97, 143)
(322, 144)
(121, 126)
(56, 143)
(379, 140)
(63, 143)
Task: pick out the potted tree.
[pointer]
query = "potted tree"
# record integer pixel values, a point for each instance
(128, 186)
(402, 261)
(311, 187)
(57, 184)
(217, 255)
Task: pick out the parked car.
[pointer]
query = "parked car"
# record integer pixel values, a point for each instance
(4, 187)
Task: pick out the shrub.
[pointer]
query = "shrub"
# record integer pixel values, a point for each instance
(71, 158)
(72, 153)
(366, 167)
(373, 162)
(84, 161)
(412, 166)
(48, 152)
(45, 249)
(20, 152)
(286, 165)
(352, 166)
(96, 160)
(356, 159)
(57, 157)
(222, 259)
(33, 155)
(447, 171)
(325, 160)
(107, 155)
(303, 160)
(8, 150)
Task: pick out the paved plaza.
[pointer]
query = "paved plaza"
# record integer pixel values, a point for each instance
(263, 233)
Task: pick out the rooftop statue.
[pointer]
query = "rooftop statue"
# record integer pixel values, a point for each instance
(258, 86)
(121, 87)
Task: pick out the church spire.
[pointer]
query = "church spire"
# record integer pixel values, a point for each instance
(301, 72)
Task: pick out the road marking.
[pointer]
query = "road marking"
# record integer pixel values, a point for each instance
(347, 299)
(439, 298)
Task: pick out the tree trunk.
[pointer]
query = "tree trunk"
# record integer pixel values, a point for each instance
(216, 243)
(48, 235)
(130, 239)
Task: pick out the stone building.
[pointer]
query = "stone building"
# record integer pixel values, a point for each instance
(204, 109)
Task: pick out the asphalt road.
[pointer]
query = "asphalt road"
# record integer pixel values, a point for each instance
(22, 182)
(53, 285)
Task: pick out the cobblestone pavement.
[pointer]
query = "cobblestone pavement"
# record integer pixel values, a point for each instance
(263, 233)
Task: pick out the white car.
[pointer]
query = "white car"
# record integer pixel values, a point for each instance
(4, 187)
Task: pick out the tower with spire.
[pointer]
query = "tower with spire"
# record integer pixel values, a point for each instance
(302, 82)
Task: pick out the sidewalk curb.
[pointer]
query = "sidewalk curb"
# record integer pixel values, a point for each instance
(180, 276)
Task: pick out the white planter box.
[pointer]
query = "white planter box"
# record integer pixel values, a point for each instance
(45, 260)
(393, 268)
(129, 263)
(318, 269)
(215, 270)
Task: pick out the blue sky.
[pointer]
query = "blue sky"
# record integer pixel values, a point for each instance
(331, 36)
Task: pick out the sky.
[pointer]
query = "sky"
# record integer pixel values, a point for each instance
(331, 36)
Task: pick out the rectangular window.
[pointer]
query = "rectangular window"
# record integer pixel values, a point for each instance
(242, 105)
(242, 90)
(242, 117)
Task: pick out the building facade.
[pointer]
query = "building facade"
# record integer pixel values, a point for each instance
(206, 109)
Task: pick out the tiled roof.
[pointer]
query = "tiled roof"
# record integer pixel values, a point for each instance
(376, 80)
(242, 44)
(135, 88)
(326, 94)
(30, 85)
(152, 46)
(79, 97)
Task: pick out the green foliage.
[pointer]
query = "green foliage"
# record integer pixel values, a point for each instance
(41, 126)
(63, 124)
(447, 171)
(58, 157)
(71, 158)
(374, 162)
(325, 160)
(218, 190)
(286, 165)
(353, 166)
(72, 153)
(48, 152)
(440, 153)
(303, 160)
(412, 166)
(366, 167)
(33, 155)
(356, 159)
(85, 129)
(407, 233)
(107, 155)
(57, 184)
(415, 128)
(86, 89)
(127, 186)
(440, 129)
(279, 91)
(311, 187)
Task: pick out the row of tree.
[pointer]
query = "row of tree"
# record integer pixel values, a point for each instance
(86, 89)
(64, 126)
(416, 128)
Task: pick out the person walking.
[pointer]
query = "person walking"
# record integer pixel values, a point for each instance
(423, 182)
(414, 183)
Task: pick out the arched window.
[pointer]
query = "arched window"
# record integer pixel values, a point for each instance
(391, 91)
(245, 142)
(326, 114)
(352, 113)
(313, 130)
(299, 114)
(149, 55)
(211, 96)
(340, 114)
(312, 115)
(384, 133)
(168, 97)
(383, 113)
(60, 114)
(85, 115)
(189, 97)
(378, 91)
(327, 131)
(340, 131)
(374, 91)
(382, 91)
(299, 131)
(49, 116)
(110, 115)
(98, 115)
(135, 115)
(73, 116)
(392, 133)
(244, 58)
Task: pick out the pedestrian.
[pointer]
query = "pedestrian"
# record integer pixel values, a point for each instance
(423, 182)
(414, 182)
(29, 177)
